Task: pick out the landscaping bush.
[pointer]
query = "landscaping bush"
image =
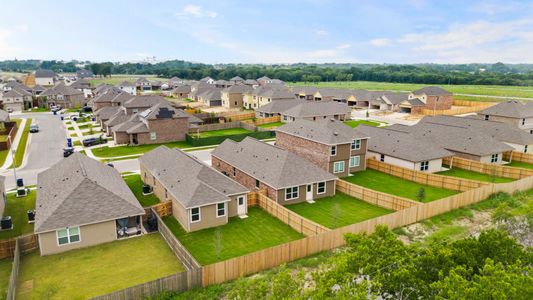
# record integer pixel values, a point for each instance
(214, 140)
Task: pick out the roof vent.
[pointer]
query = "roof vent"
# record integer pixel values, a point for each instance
(335, 133)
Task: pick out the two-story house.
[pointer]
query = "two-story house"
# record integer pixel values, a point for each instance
(232, 96)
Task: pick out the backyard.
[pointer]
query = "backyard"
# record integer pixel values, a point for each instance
(5, 272)
(519, 164)
(240, 236)
(271, 125)
(461, 173)
(338, 211)
(136, 185)
(18, 208)
(97, 270)
(132, 150)
(222, 132)
(355, 123)
(386, 183)
(3, 137)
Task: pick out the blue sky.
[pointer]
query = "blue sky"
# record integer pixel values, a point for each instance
(412, 31)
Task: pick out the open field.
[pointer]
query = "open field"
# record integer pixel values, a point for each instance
(386, 183)
(116, 79)
(488, 90)
(97, 270)
(519, 164)
(135, 184)
(240, 236)
(5, 272)
(337, 211)
(355, 123)
(223, 132)
(18, 208)
(456, 172)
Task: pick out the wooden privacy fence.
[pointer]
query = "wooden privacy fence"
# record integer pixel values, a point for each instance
(518, 156)
(481, 104)
(285, 215)
(238, 116)
(26, 243)
(12, 284)
(380, 199)
(435, 180)
(490, 169)
(260, 121)
(163, 209)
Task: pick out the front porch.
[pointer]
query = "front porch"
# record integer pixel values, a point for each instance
(129, 227)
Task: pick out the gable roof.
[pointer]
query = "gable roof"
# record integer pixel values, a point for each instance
(91, 192)
(44, 73)
(4, 116)
(237, 89)
(315, 109)
(279, 106)
(61, 89)
(276, 167)
(510, 109)
(432, 91)
(325, 131)
(190, 181)
(143, 101)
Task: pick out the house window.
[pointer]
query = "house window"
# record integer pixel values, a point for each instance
(321, 187)
(134, 110)
(153, 136)
(221, 209)
(355, 161)
(257, 183)
(338, 167)
(356, 144)
(333, 150)
(494, 158)
(166, 193)
(153, 180)
(291, 193)
(234, 171)
(68, 235)
(486, 117)
(195, 215)
(523, 121)
(284, 118)
(382, 157)
(424, 166)
(525, 149)
(531, 131)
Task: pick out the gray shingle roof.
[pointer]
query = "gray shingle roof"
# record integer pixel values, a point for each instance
(61, 89)
(79, 190)
(144, 101)
(238, 89)
(274, 166)
(510, 109)
(4, 116)
(190, 181)
(279, 106)
(325, 131)
(317, 109)
(43, 73)
(432, 91)
(106, 112)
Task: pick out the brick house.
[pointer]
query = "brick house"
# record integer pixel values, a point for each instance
(266, 94)
(313, 110)
(329, 144)
(232, 97)
(433, 97)
(201, 196)
(286, 177)
(64, 96)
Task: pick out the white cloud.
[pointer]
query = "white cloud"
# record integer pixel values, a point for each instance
(382, 42)
(196, 11)
(344, 46)
(321, 32)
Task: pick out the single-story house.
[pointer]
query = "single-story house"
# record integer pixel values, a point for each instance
(512, 112)
(316, 110)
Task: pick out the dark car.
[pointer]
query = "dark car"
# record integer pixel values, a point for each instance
(90, 142)
(68, 151)
(87, 109)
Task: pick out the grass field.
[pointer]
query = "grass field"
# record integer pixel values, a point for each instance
(355, 123)
(131, 150)
(455, 172)
(489, 90)
(136, 186)
(116, 79)
(386, 183)
(222, 132)
(5, 272)
(240, 236)
(17, 208)
(271, 125)
(21, 148)
(519, 164)
(97, 270)
(337, 211)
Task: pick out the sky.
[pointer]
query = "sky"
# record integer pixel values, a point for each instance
(271, 31)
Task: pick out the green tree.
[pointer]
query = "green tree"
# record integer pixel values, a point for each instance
(421, 194)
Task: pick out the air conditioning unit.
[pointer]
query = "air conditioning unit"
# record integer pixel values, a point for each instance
(21, 192)
(31, 216)
(147, 190)
(6, 223)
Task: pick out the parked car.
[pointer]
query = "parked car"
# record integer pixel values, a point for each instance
(90, 142)
(68, 151)
(9, 110)
(34, 128)
(87, 109)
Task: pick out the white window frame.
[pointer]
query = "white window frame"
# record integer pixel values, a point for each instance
(191, 214)
(356, 144)
(318, 187)
(218, 209)
(333, 150)
(494, 158)
(292, 192)
(338, 163)
(153, 136)
(352, 158)
(68, 236)
(424, 165)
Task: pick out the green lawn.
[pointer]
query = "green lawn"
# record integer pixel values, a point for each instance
(355, 123)
(39, 109)
(5, 272)
(97, 270)
(70, 128)
(116, 79)
(519, 164)
(131, 150)
(223, 132)
(18, 208)
(338, 211)
(21, 148)
(84, 126)
(455, 172)
(76, 143)
(271, 125)
(4, 153)
(386, 183)
(73, 134)
(135, 183)
(240, 236)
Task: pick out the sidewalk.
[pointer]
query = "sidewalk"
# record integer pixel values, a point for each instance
(14, 146)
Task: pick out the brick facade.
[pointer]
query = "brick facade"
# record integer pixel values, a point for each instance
(439, 102)
(166, 130)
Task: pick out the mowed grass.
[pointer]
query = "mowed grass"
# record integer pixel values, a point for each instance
(271, 125)
(519, 164)
(4, 153)
(135, 184)
(5, 272)
(337, 211)
(97, 270)
(132, 150)
(461, 173)
(355, 123)
(18, 208)
(489, 90)
(223, 132)
(240, 236)
(386, 183)
(116, 79)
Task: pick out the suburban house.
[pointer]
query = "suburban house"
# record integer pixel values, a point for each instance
(264, 80)
(236, 80)
(64, 96)
(328, 143)
(403, 149)
(316, 110)
(143, 84)
(286, 177)
(94, 206)
(362, 98)
(277, 107)
(181, 91)
(433, 97)
(208, 80)
(45, 77)
(175, 81)
(37, 90)
(265, 94)
(201, 196)
(232, 97)
(388, 101)
(110, 97)
(221, 83)
(126, 109)
(128, 87)
(84, 86)
(512, 112)
(16, 99)
(210, 97)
